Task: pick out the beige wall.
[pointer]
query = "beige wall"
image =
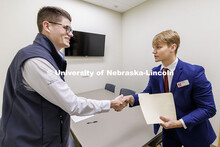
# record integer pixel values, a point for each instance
(197, 23)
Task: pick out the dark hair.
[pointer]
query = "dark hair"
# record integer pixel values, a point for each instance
(50, 13)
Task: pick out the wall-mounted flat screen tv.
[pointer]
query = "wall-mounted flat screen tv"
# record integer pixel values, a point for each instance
(86, 44)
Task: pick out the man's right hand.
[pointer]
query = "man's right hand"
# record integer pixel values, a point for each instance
(119, 103)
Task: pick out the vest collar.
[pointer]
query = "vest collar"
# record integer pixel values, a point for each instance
(46, 43)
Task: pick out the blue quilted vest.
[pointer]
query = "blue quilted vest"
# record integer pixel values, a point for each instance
(28, 119)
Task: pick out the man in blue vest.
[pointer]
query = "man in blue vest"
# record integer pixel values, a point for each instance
(192, 93)
(37, 103)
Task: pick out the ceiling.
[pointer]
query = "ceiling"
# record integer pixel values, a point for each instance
(116, 5)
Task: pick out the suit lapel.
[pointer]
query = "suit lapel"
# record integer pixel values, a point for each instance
(177, 73)
(160, 79)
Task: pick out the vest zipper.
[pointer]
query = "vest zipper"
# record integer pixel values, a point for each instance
(61, 128)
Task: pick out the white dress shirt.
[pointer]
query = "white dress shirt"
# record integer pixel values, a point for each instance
(39, 75)
(172, 68)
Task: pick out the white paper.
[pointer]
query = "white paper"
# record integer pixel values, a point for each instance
(80, 118)
(155, 105)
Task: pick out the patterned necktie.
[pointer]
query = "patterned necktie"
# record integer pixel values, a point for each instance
(165, 80)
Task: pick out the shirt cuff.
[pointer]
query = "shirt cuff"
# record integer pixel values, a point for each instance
(106, 104)
(184, 125)
(136, 100)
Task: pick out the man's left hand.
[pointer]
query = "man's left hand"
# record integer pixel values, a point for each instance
(170, 123)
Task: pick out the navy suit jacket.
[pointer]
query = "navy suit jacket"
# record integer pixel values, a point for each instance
(194, 102)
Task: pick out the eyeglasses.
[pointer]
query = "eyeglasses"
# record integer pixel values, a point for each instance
(66, 27)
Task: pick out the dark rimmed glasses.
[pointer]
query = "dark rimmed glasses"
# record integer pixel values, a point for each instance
(66, 27)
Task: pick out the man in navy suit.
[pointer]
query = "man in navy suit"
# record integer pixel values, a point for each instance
(192, 95)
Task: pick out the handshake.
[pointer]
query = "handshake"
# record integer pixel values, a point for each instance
(121, 102)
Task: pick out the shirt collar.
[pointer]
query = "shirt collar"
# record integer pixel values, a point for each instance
(171, 67)
(61, 54)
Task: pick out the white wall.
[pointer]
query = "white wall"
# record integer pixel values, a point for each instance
(18, 29)
(197, 23)
(98, 20)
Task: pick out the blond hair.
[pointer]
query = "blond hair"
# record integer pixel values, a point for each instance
(168, 37)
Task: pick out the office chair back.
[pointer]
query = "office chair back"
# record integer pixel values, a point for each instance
(110, 87)
(126, 91)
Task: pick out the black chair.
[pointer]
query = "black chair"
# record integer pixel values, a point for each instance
(155, 142)
(110, 87)
(126, 91)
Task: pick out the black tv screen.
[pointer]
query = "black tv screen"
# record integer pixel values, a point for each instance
(86, 44)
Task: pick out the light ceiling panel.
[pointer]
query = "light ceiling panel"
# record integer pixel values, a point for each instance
(116, 5)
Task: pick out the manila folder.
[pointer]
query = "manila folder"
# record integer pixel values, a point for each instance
(155, 105)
